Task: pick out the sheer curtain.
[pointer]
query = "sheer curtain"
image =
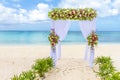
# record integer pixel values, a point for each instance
(86, 28)
(61, 28)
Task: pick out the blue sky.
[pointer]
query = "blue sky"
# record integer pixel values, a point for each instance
(32, 14)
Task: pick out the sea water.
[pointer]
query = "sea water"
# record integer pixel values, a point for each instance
(41, 37)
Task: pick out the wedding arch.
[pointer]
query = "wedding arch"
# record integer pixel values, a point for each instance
(60, 25)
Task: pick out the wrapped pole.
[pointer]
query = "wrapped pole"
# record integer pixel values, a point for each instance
(91, 61)
(53, 55)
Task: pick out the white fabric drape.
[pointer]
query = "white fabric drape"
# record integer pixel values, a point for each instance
(91, 60)
(53, 54)
(61, 28)
(86, 28)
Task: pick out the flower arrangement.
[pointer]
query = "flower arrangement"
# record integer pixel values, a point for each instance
(92, 39)
(72, 14)
(53, 38)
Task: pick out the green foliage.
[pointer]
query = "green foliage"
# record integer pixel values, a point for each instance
(49, 62)
(102, 60)
(114, 76)
(106, 69)
(72, 14)
(42, 66)
(15, 77)
(29, 75)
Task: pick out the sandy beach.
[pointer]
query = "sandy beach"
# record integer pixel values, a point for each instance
(17, 58)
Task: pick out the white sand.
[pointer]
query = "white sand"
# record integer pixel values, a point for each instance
(17, 58)
(71, 69)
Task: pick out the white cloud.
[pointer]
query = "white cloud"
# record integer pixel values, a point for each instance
(103, 7)
(42, 6)
(114, 11)
(12, 15)
(40, 13)
(116, 4)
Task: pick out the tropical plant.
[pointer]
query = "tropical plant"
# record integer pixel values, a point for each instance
(114, 76)
(106, 68)
(28, 75)
(41, 67)
(50, 62)
(102, 60)
(15, 77)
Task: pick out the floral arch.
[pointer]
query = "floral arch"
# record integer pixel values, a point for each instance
(60, 25)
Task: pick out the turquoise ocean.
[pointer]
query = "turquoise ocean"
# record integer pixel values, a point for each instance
(41, 37)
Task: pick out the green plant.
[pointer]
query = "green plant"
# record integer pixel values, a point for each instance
(114, 76)
(102, 60)
(15, 77)
(50, 62)
(106, 68)
(29, 75)
(41, 67)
